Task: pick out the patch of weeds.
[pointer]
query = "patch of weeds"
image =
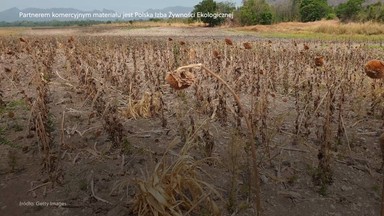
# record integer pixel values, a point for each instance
(16, 103)
(127, 147)
(2, 108)
(5, 141)
(2, 103)
(83, 185)
(12, 105)
(16, 127)
(322, 178)
(323, 190)
(379, 47)
(51, 125)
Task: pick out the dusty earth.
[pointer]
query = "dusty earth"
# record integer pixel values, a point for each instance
(286, 186)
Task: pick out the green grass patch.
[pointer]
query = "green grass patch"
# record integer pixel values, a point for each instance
(16, 103)
(4, 140)
(314, 36)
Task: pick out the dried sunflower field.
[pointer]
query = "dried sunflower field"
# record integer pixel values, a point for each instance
(108, 125)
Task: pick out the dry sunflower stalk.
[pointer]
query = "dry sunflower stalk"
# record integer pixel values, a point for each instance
(381, 142)
(180, 79)
(374, 69)
(192, 54)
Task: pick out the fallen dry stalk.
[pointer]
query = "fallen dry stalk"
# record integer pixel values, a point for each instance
(39, 186)
(250, 134)
(95, 196)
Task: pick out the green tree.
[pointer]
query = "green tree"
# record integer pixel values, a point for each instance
(225, 7)
(374, 12)
(287, 11)
(312, 10)
(349, 11)
(255, 12)
(207, 7)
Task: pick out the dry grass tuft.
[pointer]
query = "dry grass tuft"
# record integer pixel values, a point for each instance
(148, 106)
(368, 28)
(331, 27)
(175, 190)
(375, 69)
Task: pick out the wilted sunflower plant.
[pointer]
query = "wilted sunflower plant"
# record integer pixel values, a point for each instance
(182, 78)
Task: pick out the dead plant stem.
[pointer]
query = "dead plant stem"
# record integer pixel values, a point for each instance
(251, 134)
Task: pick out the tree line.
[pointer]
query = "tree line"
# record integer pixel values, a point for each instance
(253, 12)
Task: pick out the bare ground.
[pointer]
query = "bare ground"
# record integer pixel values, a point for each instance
(287, 187)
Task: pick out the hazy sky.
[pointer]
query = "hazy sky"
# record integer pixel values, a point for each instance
(117, 5)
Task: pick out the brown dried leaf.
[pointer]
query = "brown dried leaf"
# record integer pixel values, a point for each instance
(319, 61)
(7, 69)
(71, 39)
(216, 54)
(22, 40)
(375, 69)
(10, 52)
(180, 79)
(228, 41)
(247, 45)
